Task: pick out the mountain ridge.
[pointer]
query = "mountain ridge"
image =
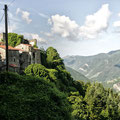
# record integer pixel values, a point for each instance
(101, 67)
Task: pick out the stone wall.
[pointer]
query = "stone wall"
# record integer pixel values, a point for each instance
(14, 57)
(25, 47)
(37, 57)
(25, 60)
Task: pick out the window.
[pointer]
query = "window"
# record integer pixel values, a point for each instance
(14, 59)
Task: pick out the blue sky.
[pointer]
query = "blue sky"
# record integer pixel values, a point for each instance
(73, 27)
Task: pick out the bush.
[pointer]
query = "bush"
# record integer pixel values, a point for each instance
(31, 98)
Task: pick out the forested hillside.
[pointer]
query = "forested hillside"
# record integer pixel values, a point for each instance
(77, 75)
(103, 67)
(48, 92)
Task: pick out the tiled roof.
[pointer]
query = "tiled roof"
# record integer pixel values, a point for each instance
(13, 65)
(10, 48)
(1, 43)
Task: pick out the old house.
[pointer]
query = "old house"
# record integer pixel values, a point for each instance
(20, 56)
(13, 55)
(32, 54)
(25, 47)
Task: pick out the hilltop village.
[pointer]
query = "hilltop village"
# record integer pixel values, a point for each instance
(20, 56)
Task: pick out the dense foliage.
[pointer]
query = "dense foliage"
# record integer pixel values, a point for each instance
(31, 98)
(14, 39)
(97, 104)
(48, 92)
(53, 58)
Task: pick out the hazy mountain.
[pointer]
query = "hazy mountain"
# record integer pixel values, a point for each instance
(76, 75)
(102, 67)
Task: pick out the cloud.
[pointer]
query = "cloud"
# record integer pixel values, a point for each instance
(25, 15)
(117, 23)
(94, 24)
(13, 23)
(4, 2)
(35, 36)
(40, 14)
(11, 28)
(64, 27)
(18, 10)
(43, 15)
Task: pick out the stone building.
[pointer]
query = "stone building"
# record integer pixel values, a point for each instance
(25, 47)
(13, 56)
(33, 53)
(21, 56)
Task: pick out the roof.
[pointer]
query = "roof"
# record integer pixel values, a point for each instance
(13, 65)
(10, 48)
(1, 43)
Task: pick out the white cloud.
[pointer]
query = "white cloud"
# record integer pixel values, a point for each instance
(4, 2)
(64, 27)
(25, 15)
(18, 10)
(11, 28)
(13, 23)
(117, 23)
(35, 36)
(43, 15)
(40, 13)
(94, 24)
(119, 14)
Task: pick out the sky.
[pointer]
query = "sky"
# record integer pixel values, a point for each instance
(73, 27)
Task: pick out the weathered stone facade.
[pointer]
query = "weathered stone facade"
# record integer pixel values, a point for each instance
(13, 58)
(20, 57)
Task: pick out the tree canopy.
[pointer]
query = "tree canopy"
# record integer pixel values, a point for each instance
(14, 39)
(31, 98)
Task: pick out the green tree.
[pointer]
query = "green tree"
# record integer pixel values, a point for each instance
(53, 58)
(78, 106)
(14, 39)
(31, 98)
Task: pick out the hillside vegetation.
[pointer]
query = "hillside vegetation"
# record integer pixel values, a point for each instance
(48, 92)
(103, 67)
(77, 75)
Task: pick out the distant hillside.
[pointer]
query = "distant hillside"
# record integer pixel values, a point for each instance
(76, 75)
(102, 67)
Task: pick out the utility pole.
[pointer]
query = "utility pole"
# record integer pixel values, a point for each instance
(6, 37)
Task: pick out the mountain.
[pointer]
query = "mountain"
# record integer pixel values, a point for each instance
(76, 75)
(102, 67)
